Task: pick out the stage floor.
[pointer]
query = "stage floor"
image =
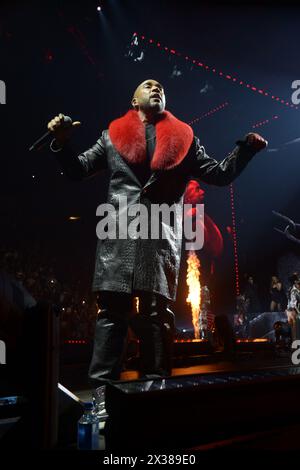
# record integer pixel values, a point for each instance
(241, 363)
(74, 376)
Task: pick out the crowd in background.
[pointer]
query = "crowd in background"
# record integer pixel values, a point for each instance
(76, 304)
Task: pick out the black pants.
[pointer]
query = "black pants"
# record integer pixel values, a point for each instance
(153, 325)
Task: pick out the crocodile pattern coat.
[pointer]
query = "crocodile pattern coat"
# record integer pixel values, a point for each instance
(135, 263)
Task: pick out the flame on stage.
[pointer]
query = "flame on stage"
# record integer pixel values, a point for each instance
(194, 285)
(137, 304)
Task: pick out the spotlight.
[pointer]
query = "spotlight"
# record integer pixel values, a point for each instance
(98, 8)
(175, 72)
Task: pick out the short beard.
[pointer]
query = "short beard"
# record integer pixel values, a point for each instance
(154, 108)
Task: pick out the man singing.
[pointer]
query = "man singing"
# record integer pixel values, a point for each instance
(150, 156)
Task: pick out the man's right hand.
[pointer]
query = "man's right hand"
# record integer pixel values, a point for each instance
(61, 130)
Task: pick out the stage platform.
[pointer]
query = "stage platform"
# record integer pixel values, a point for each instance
(242, 403)
(210, 380)
(74, 376)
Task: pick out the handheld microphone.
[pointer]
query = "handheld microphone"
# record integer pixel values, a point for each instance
(42, 141)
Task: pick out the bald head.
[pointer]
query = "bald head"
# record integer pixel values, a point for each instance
(149, 97)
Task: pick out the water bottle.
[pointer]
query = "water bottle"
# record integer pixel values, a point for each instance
(88, 429)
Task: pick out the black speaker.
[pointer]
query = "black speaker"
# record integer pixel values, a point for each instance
(49, 413)
(33, 374)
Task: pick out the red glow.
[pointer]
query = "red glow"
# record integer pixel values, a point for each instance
(75, 341)
(232, 231)
(190, 340)
(213, 240)
(212, 111)
(266, 121)
(49, 56)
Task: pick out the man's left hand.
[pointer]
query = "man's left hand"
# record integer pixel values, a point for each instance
(256, 141)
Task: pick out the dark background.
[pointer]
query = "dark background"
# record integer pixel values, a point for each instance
(63, 57)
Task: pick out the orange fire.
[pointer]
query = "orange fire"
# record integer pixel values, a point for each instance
(194, 296)
(137, 304)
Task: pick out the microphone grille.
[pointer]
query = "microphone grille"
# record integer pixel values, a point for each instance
(67, 121)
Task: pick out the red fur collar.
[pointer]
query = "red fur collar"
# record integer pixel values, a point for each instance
(173, 140)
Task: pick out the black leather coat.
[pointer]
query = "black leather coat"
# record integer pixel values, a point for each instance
(125, 265)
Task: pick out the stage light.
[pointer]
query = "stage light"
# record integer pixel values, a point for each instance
(134, 50)
(175, 72)
(248, 86)
(263, 123)
(212, 111)
(235, 244)
(98, 8)
(48, 55)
